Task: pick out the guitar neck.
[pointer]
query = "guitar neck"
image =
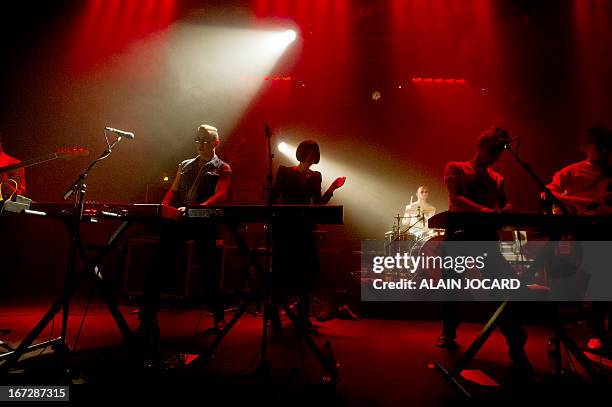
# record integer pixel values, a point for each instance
(29, 163)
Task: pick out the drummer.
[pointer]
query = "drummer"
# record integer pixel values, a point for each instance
(417, 213)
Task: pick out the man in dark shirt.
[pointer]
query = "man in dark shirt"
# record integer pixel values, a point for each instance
(203, 180)
(474, 187)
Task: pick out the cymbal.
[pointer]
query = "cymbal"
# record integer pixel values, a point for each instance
(407, 217)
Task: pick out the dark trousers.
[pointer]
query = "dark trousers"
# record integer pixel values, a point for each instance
(509, 325)
(497, 267)
(172, 241)
(600, 311)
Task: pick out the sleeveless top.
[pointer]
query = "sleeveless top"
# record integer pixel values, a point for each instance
(198, 182)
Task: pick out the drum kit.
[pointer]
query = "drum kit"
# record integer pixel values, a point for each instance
(412, 237)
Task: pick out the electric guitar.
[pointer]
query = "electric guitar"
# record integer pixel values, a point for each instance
(595, 201)
(7, 189)
(66, 153)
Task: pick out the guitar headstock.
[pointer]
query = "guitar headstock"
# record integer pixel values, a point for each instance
(69, 153)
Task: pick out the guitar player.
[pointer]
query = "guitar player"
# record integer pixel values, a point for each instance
(17, 185)
(585, 188)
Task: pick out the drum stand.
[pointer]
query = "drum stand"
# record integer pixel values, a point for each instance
(421, 218)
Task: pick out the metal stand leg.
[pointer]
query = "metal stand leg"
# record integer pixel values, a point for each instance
(263, 293)
(453, 374)
(89, 269)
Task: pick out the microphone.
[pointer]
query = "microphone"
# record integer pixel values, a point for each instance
(506, 143)
(120, 133)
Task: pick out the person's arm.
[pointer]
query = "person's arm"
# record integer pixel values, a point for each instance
(556, 187)
(574, 203)
(456, 197)
(223, 184)
(429, 212)
(406, 220)
(16, 185)
(503, 204)
(171, 195)
(277, 189)
(19, 176)
(319, 199)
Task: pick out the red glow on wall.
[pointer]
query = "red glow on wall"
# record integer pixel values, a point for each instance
(260, 7)
(323, 53)
(108, 27)
(439, 81)
(272, 78)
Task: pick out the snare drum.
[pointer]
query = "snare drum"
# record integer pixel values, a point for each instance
(398, 242)
(393, 236)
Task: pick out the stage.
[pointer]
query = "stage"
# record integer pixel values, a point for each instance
(381, 362)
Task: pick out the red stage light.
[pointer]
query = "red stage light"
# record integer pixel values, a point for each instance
(106, 28)
(439, 81)
(275, 78)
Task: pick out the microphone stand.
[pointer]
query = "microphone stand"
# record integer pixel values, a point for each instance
(73, 223)
(264, 367)
(263, 370)
(549, 196)
(559, 335)
(262, 293)
(78, 189)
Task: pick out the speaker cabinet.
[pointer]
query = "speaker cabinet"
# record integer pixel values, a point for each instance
(184, 281)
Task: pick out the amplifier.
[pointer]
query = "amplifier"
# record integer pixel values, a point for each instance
(238, 273)
(183, 282)
(156, 192)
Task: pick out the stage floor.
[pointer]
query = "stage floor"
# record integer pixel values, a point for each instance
(382, 362)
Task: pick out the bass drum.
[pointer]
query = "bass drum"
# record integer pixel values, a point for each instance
(429, 246)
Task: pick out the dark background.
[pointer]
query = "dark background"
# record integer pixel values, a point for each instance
(159, 68)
